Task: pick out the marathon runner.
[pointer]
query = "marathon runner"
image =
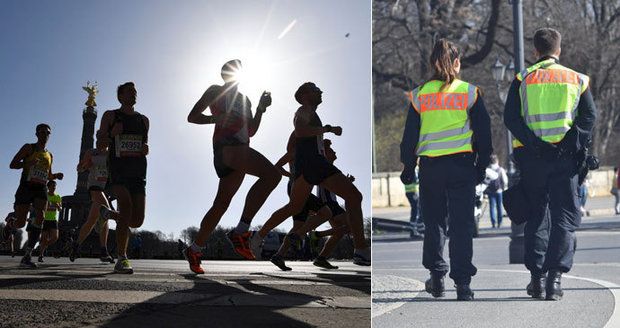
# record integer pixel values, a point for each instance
(128, 131)
(233, 159)
(8, 235)
(95, 161)
(312, 168)
(35, 161)
(50, 223)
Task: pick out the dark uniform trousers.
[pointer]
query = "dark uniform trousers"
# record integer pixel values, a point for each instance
(447, 192)
(551, 190)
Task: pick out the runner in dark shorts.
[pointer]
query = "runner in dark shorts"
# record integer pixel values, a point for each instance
(36, 164)
(312, 168)
(233, 159)
(127, 131)
(8, 235)
(49, 234)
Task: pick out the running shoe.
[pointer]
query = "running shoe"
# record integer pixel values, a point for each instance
(107, 258)
(74, 251)
(321, 262)
(279, 262)
(362, 257)
(256, 244)
(194, 260)
(27, 263)
(123, 266)
(241, 244)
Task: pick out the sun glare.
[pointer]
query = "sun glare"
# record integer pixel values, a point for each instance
(254, 75)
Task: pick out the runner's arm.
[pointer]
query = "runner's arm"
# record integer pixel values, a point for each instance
(282, 161)
(264, 102)
(196, 115)
(18, 160)
(86, 162)
(145, 144)
(54, 176)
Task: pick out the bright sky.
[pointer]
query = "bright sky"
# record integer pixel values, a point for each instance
(173, 50)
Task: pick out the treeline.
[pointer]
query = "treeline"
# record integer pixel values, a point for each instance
(405, 30)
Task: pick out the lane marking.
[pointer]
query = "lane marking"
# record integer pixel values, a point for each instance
(383, 283)
(151, 297)
(614, 289)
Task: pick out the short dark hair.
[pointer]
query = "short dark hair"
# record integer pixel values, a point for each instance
(122, 88)
(42, 126)
(547, 41)
(308, 86)
(51, 183)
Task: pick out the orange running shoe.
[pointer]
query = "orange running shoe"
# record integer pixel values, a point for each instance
(194, 260)
(241, 244)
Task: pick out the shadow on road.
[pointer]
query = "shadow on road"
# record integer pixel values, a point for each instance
(217, 305)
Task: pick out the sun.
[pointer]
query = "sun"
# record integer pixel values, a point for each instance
(254, 75)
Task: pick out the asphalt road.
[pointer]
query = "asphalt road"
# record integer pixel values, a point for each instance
(165, 293)
(592, 288)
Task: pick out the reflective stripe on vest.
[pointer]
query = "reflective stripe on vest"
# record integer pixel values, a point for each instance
(549, 98)
(444, 116)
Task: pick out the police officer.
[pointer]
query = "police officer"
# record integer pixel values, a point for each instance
(550, 111)
(448, 127)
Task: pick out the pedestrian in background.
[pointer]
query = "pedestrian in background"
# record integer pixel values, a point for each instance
(412, 192)
(494, 191)
(614, 191)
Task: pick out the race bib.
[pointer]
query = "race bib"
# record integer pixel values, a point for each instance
(38, 174)
(101, 173)
(128, 145)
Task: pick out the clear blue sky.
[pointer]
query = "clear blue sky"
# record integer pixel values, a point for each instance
(173, 50)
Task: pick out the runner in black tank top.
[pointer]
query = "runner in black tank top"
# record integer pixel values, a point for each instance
(312, 168)
(128, 132)
(233, 159)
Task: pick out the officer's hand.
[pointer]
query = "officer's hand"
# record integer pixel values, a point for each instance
(59, 176)
(408, 174)
(337, 130)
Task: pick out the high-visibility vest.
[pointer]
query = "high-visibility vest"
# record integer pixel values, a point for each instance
(444, 117)
(412, 187)
(549, 95)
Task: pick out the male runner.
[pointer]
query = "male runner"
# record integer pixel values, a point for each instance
(128, 131)
(8, 235)
(312, 168)
(36, 164)
(233, 159)
(320, 213)
(50, 223)
(95, 162)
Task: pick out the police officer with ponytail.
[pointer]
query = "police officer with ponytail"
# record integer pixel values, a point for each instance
(448, 128)
(550, 112)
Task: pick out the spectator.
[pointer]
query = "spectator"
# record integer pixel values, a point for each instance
(498, 180)
(614, 190)
(583, 196)
(412, 191)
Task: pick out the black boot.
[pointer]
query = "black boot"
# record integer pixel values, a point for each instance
(554, 286)
(464, 293)
(536, 286)
(435, 286)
